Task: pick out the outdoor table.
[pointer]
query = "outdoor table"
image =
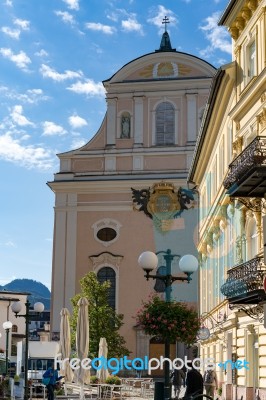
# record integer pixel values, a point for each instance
(111, 390)
(35, 387)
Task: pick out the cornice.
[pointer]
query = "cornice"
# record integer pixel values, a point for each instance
(236, 17)
(94, 153)
(252, 93)
(107, 186)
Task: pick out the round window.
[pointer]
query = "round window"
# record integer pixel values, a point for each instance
(106, 234)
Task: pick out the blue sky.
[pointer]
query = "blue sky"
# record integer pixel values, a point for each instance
(54, 55)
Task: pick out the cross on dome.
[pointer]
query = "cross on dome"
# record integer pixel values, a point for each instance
(165, 21)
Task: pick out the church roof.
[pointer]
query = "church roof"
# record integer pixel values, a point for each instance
(165, 43)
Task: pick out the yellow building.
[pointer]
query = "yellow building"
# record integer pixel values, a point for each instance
(229, 168)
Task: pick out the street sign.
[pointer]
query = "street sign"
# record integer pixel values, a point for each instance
(203, 333)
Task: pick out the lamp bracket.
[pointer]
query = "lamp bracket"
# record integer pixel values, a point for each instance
(253, 311)
(167, 279)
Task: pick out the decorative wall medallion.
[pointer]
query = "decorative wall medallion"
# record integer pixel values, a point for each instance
(162, 203)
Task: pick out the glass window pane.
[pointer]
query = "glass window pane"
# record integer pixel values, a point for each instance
(108, 274)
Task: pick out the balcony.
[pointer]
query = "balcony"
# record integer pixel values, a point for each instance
(247, 173)
(244, 283)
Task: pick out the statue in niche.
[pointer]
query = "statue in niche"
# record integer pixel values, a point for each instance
(125, 127)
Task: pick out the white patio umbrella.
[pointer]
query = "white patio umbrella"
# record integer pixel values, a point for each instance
(65, 346)
(82, 343)
(102, 373)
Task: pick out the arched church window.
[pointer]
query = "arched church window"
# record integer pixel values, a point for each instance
(108, 274)
(165, 124)
(125, 126)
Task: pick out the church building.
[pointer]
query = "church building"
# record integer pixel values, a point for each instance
(126, 192)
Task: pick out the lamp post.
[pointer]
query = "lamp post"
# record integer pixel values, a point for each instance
(187, 264)
(16, 308)
(7, 326)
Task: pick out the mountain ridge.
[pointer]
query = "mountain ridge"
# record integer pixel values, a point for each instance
(38, 291)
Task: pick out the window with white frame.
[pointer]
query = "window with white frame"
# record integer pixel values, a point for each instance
(249, 59)
(165, 124)
(106, 231)
(251, 52)
(252, 238)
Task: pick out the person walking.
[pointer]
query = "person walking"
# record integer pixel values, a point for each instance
(178, 379)
(52, 374)
(138, 369)
(194, 382)
(210, 381)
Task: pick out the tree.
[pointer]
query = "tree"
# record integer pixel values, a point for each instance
(103, 319)
(169, 320)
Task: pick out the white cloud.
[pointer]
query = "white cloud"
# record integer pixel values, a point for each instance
(30, 96)
(90, 88)
(41, 53)
(21, 59)
(52, 129)
(27, 156)
(131, 24)
(218, 36)
(8, 243)
(76, 121)
(108, 30)
(5, 281)
(18, 117)
(66, 17)
(96, 48)
(48, 72)
(9, 3)
(112, 15)
(22, 23)
(13, 33)
(77, 143)
(158, 14)
(72, 4)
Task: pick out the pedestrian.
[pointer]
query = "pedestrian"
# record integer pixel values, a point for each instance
(210, 381)
(194, 382)
(52, 375)
(138, 369)
(178, 380)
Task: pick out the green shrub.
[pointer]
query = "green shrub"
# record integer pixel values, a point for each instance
(94, 379)
(113, 380)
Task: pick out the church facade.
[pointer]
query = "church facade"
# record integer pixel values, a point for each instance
(125, 191)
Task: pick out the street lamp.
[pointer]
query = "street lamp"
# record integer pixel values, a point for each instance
(7, 326)
(188, 264)
(16, 308)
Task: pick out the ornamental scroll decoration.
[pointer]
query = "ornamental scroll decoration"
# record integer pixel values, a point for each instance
(163, 203)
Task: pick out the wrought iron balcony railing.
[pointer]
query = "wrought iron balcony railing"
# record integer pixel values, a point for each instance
(253, 155)
(245, 281)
